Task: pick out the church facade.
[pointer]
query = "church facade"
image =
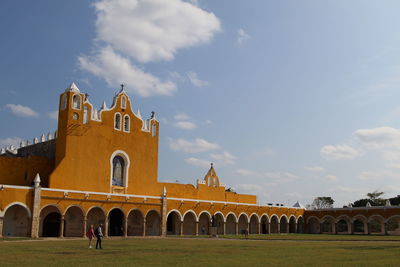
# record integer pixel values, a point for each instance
(101, 167)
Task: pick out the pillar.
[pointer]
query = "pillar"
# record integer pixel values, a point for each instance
(320, 228)
(35, 223)
(164, 216)
(197, 228)
(62, 226)
(181, 232)
(295, 228)
(259, 228)
(126, 226)
(287, 227)
(237, 227)
(335, 228)
(1, 226)
(386, 226)
(144, 226)
(351, 228)
(279, 228)
(269, 228)
(105, 229)
(224, 233)
(84, 226)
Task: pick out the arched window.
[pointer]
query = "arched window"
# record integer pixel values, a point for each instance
(118, 171)
(64, 102)
(76, 102)
(154, 130)
(123, 102)
(126, 123)
(117, 121)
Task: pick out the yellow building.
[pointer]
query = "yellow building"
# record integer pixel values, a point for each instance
(101, 167)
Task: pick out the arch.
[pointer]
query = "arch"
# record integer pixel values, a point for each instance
(174, 219)
(17, 203)
(359, 223)
(76, 101)
(116, 222)
(135, 223)
(376, 224)
(300, 225)
(205, 211)
(95, 216)
(292, 224)
(264, 224)
(190, 211)
(50, 221)
(117, 121)
(254, 225)
(189, 222)
(125, 168)
(127, 123)
(283, 224)
(73, 221)
(327, 224)
(16, 220)
(313, 225)
(177, 211)
(274, 224)
(153, 223)
(204, 223)
(243, 223)
(219, 222)
(230, 223)
(393, 225)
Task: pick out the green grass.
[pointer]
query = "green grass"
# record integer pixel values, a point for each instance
(202, 252)
(313, 237)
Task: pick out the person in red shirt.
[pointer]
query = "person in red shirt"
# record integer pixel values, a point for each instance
(90, 235)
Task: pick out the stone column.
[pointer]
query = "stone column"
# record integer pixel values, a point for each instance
(295, 227)
(106, 227)
(386, 226)
(144, 226)
(126, 226)
(368, 229)
(287, 227)
(1, 226)
(279, 228)
(259, 228)
(269, 228)
(164, 213)
(181, 232)
(84, 226)
(197, 228)
(351, 228)
(224, 233)
(37, 192)
(237, 227)
(320, 228)
(62, 226)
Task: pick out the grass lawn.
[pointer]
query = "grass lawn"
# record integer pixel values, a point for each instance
(202, 252)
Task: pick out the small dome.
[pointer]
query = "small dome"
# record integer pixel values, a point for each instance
(72, 88)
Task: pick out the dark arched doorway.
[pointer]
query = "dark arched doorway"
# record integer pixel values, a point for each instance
(51, 225)
(115, 225)
(135, 223)
(153, 223)
(16, 221)
(173, 223)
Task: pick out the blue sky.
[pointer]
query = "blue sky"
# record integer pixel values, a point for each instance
(290, 99)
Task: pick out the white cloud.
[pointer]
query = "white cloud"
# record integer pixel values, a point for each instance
(153, 29)
(225, 158)
(208, 121)
(196, 146)
(281, 176)
(22, 111)
(6, 142)
(339, 152)
(53, 115)
(377, 175)
(314, 169)
(331, 178)
(181, 117)
(195, 80)
(115, 68)
(382, 137)
(198, 162)
(242, 36)
(185, 125)
(249, 187)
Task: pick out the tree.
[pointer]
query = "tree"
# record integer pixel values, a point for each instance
(373, 198)
(322, 203)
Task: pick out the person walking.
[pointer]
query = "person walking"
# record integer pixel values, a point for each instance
(90, 235)
(99, 236)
